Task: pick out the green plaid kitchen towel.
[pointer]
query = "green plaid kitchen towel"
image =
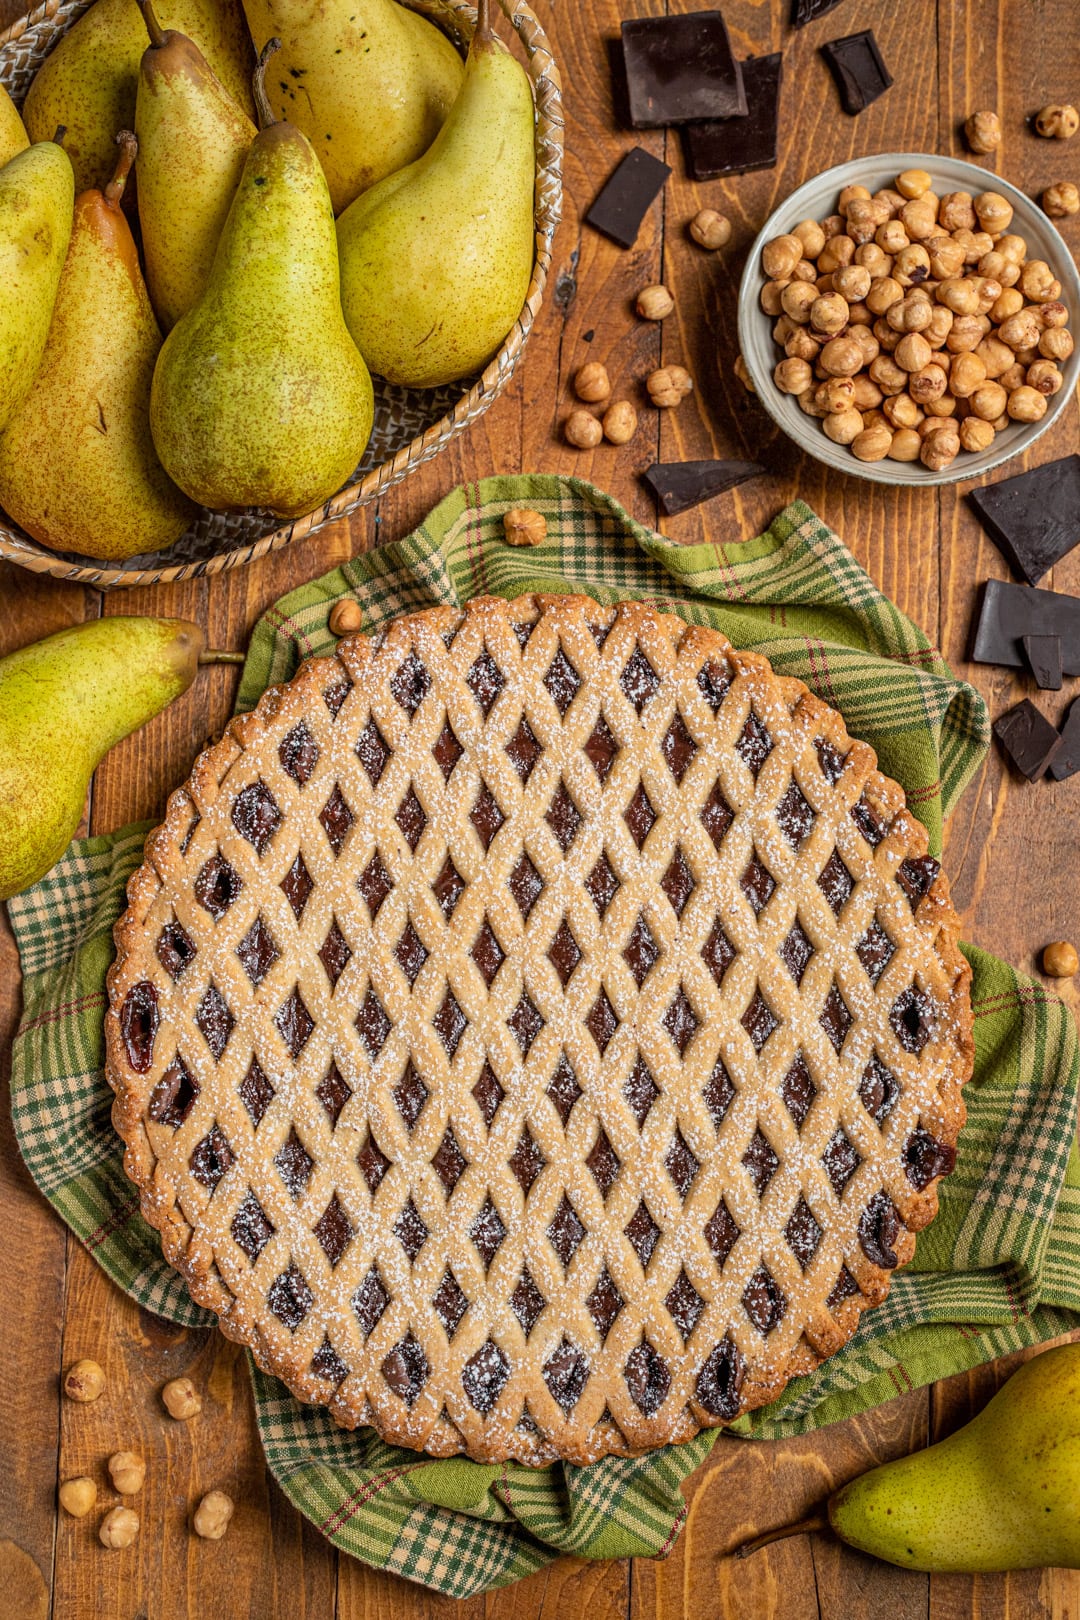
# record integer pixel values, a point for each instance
(998, 1270)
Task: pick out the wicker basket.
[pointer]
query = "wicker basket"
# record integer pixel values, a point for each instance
(411, 425)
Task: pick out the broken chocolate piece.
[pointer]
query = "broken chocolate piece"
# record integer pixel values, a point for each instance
(859, 69)
(681, 68)
(1011, 612)
(1043, 654)
(1034, 518)
(682, 484)
(739, 145)
(1066, 762)
(627, 197)
(808, 11)
(1028, 738)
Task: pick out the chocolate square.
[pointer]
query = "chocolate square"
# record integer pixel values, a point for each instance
(1011, 612)
(1028, 738)
(1066, 762)
(1043, 654)
(627, 197)
(1034, 518)
(682, 484)
(681, 68)
(859, 69)
(740, 145)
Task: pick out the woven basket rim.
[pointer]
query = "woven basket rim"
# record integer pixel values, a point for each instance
(17, 547)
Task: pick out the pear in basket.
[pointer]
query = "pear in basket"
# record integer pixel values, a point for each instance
(37, 191)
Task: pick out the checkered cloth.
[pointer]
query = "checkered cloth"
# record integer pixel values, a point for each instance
(999, 1269)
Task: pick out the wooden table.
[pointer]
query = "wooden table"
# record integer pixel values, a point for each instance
(1011, 853)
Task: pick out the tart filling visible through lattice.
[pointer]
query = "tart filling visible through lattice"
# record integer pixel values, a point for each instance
(538, 1030)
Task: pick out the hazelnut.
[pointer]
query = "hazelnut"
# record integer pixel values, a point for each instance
(1011, 247)
(77, 1496)
(901, 411)
(887, 338)
(1020, 331)
(1014, 377)
(941, 324)
(836, 394)
(966, 332)
(1061, 199)
(838, 251)
(940, 448)
(1038, 282)
(829, 314)
(913, 182)
(619, 423)
(944, 405)
(872, 258)
(783, 328)
(1009, 301)
(797, 300)
(842, 427)
(1060, 960)
(946, 257)
(989, 401)
(669, 386)
(919, 218)
(927, 385)
(212, 1516)
(793, 376)
(873, 443)
(957, 212)
(1044, 377)
(345, 618)
(975, 434)
(884, 292)
(771, 294)
(906, 445)
(995, 211)
(811, 235)
(974, 244)
(1053, 314)
(127, 1472)
(808, 402)
(960, 294)
(712, 230)
(996, 356)
(780, 256)
(841, 357)
(892, 200)
(84, 1382)
(913, 352)
(888, 376)
(743, 373)
(654, 303)
(911, 266)
(867, 393)
(911, 314)
(1026, 404)
(119, 1528)
(851, 194)
(1056, 343)
(582, 430)
(858, 314)
(852, 282)
(891, 237)
(524, 527)
(966, 373)
(1057, 122)
(982, 131)
(182, 1400)
(592, 383)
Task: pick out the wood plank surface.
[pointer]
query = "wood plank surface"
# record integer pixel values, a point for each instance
(1007, 850)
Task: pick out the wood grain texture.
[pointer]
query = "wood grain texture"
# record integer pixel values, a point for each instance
(1007, 849)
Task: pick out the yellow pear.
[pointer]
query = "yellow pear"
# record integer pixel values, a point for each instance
(193, 140)
(78, 469)
(368, 81)
(89, 80)
(13, 136)
(37, 193)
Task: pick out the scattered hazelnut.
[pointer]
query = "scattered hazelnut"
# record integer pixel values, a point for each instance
(345, 618)
(669, 386)
(743, 374)
(654, 303)
(77, 1496)
(212, 1515)
(1061, 199)
(710, 229)
(582, 430)
(524, 527)
(127, 1472)
(1057, 122)
(780, 256)
(619, 422)
(982, 131)
(119, 1528)
(1060, 960)
(975, 434)
(592, 383)
(182, 1400)
(84, 1382)
(1026, 404)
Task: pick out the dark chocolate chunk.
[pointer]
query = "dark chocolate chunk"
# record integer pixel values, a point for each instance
(1028, 738)
(1066, 761)
(857, 66)
(621, 207)
(1011, 612)
(680, 68)
(1034, 518)
(682, 484)
(807, 11)
(740, 145)
(1043, 654)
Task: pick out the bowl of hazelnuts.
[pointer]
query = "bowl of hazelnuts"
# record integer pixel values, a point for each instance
(906, 319)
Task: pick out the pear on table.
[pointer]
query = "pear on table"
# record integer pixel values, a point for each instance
(89, 81)
(193, 139)
(13, 136)
(64, 702)
(436, 259)
(78, 469)
(368, 81)
(260, 396)
(37, 193)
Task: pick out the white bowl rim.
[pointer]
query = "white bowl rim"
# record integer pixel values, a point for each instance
(816, 444)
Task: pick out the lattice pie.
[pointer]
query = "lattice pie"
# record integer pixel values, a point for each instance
(538, 1031)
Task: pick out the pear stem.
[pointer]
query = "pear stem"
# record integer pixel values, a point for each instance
(153, 27)
(61, 135)
(483, 30)
(262, 102)
(815, 1521)
(218, 655)
(129, 147)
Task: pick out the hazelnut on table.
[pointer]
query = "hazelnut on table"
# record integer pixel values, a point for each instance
(119, 1528)
(127, 1472)
(182, 1400)
(77, 1496)
(84, 1381)
(582, 430)
(1060, 960)
(1057, 122)
(212, 1516)
(743, 373)
(619, 422)
(710, 229)
(345, 618)
(982, 131)
(669, 386)
(1061, 199)
(524, 527)
(654, 303)
(592, 384)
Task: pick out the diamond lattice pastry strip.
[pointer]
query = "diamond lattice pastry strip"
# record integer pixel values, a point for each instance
(538, 1031)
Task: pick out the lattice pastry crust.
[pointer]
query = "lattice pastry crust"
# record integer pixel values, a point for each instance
(538, 1031)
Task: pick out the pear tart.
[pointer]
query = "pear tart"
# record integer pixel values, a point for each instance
(537, 1031)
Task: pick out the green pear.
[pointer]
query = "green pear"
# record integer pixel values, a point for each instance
(78, 467)
(13, 136)
(193, 140)
(37, 194)
(436, 260)
(89, 81)
(64, 702)
(368, 81)
(260, 396)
